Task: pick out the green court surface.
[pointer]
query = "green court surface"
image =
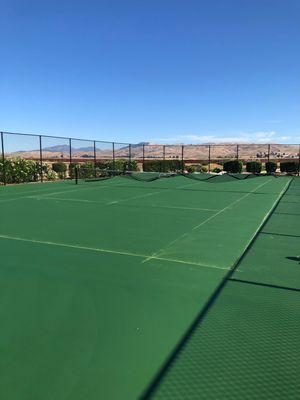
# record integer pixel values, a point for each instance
(247, 347)
(100, 282)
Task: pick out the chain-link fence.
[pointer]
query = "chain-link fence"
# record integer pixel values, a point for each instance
(30, 158)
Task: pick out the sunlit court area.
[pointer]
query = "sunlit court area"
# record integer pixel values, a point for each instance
(150, 200)
(150, 285)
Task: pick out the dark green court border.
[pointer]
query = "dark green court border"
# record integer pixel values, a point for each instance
(172, 357)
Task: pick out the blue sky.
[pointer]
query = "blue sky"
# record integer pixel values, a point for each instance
(160, 71)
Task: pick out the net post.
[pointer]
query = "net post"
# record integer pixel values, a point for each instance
(70, 157)
(41, 158)
(76, 175)
(182, 158)
(209, 160)
(3, 159)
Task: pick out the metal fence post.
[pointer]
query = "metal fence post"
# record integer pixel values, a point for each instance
(95, 153)
(41, 158)
(269, 152)
(237, 152)
(70, 155)
(164, 159)
(182, 158)
(209, 158)
(70, 150)
(129, 153)
(95, 158)
(113, 149)
(299, 160)
(143, 156)
(3, 159)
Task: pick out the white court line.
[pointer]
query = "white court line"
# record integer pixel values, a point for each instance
(132, 198)
(29, 194)
(99, 250)
(189, 184)
(134, 205)
(53, 193)
(204, 222)
(48, 193)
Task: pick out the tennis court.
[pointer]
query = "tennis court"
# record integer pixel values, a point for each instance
(102, 281)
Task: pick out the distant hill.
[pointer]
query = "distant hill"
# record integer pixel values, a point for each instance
(156, 151)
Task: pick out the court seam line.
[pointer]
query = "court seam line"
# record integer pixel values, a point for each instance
(99, 250)
(204, 222)
(103, 203)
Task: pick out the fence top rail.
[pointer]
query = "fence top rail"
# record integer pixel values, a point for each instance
(145, 144)
(60, 137)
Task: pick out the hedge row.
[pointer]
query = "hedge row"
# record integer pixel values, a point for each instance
(255, 167)
(90, 169)
(163, 166)
(18, 170)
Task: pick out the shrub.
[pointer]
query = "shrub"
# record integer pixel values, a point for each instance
(289, 166)
(19, 170)
(217, 170)
(271, 167)
(234, 166)
(196, 168)
(130, 166)
(254, 167)
(117, 165)
(191, 168)
(86, 170)
(72, 167)
(60, 168)
(204, 168)
(51, 175)
(163, 166)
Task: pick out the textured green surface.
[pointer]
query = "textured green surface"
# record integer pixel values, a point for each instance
(284, 224)
(273, 260)
(289, 208)
(247, 347)
(100, 281)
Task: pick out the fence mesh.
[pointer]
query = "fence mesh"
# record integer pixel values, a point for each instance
(21, 146)
(83, 150)
(55, 149)
(122, 151)
(104, 151)
(47, 150)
